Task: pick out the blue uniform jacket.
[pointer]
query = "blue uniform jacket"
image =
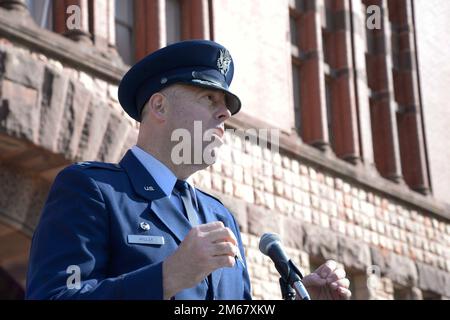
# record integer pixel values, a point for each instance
(90, 211)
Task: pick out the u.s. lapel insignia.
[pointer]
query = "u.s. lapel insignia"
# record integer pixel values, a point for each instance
(149, 188)
(223, 62)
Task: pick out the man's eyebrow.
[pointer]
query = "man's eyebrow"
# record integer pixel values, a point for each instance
(216, 93)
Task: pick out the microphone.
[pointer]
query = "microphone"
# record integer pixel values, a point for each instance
(270, 245)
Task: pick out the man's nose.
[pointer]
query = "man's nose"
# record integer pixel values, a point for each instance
(223, 113)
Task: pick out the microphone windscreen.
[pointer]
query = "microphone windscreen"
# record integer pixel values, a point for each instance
(267, 239)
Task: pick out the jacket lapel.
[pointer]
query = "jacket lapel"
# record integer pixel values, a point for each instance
(171, 217)
(145, 186)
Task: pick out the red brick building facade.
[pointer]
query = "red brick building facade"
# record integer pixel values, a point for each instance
(357, 88)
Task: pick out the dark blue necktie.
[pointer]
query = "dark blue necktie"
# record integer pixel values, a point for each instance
(183, 188)
(185, 193)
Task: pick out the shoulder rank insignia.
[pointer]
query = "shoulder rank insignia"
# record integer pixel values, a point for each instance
(99, 165)
(83, 163)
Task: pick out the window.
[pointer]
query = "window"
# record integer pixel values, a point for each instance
(307, 72)
(124, 30)
(41, 11)
(293, 29)
(296, 91)
(395, 108)
(412, 141)
(329, 105)
(181, 20)
(173, 21)
(294, 17)
(338, 67)
(296, 64)
(327, 33)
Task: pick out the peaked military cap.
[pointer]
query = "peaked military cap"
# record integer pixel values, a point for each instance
(200, 63)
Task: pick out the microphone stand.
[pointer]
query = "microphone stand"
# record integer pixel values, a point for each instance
(289, 292)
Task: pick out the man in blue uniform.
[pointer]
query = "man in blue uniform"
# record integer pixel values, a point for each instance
(138, 229)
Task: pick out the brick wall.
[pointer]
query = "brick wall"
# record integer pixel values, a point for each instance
(320, 215)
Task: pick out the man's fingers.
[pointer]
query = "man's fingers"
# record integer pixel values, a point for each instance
(232, 235)
(335, 275)
(342, 283)
(210, 226)
(221, 235)
(325, 269)
(217, 232)
(344, 293)
(339, 290)
(224, 261)
(224, 248)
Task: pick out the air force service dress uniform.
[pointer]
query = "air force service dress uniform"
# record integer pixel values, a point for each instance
(106, 229)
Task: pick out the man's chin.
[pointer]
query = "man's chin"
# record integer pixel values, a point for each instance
(211, 158)
(218, 139)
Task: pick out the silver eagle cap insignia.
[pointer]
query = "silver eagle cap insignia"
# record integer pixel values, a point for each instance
(223, 62)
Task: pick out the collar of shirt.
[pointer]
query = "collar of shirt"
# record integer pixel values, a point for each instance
(163, 176)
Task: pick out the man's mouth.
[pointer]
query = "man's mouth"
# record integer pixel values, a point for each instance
(219, 132)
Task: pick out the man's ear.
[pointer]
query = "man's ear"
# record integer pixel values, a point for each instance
(156, 105)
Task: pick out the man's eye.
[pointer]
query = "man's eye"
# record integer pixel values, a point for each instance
(209, 98)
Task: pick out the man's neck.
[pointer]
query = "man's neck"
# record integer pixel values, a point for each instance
(181, 171)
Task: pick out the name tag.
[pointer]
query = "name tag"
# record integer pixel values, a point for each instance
(138, 239)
